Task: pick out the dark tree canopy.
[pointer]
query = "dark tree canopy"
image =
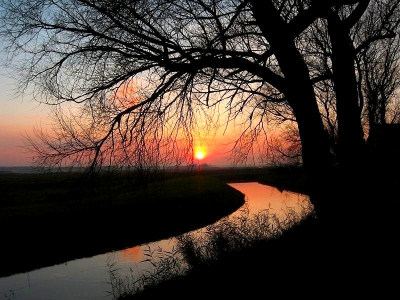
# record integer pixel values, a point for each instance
(132, 80)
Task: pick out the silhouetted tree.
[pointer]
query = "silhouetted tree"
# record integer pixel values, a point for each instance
(380, 65)
(142, 75)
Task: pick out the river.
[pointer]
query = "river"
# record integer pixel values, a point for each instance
(89, 278)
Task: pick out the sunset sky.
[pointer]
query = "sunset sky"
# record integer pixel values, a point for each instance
(19, 115)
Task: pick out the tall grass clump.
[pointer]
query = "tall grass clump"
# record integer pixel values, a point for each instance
(200, 250)
(165, 265)
(235, 233)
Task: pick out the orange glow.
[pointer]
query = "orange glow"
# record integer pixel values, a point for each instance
(127, 94)
(132, 254)
(199, 154)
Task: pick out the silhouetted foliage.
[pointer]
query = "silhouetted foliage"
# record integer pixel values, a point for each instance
(131, 81)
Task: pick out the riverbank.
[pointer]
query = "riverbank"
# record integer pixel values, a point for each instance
(307, 260)
(48, 219)
(313, 260)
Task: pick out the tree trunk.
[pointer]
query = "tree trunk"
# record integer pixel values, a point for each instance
(383, 106)
(316, 154)
(351, 143)
(301, 97)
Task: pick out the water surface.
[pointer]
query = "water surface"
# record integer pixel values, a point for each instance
(89, 278)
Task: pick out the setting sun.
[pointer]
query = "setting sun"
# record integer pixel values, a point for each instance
(199, 154)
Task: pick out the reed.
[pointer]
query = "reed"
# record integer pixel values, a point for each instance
(200, 251)
(77, 209)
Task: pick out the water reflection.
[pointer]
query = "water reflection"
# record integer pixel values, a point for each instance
(261, 197)
(132, 254)
(89, 278)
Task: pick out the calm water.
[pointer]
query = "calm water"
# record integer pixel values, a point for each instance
(89, 278)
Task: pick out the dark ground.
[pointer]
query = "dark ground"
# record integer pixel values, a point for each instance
(50, 219)
(314, 260)
(311, 260)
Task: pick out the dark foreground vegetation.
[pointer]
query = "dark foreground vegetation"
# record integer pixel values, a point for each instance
(313, 259)
(51, 218)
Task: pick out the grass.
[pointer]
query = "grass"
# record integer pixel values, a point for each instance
(63, 216)
(206, 261)
(238, 258)
(309, 259)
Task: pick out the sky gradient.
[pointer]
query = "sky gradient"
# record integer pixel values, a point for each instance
(19, 115)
